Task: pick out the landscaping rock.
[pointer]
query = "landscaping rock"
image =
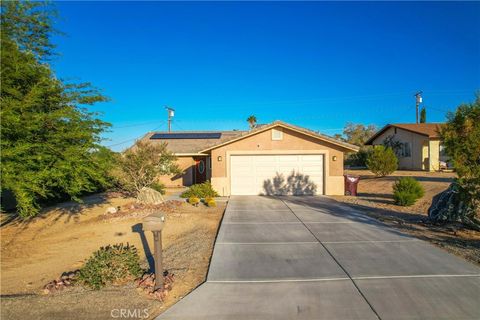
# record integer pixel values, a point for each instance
(447, 206)
(146, 284)
(111, 210)
(150, 196)
(67, 279)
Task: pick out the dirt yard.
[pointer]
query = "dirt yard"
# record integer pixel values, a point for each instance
(64, 236)
(375, 199)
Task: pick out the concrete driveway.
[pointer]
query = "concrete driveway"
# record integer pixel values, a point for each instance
(314, 258)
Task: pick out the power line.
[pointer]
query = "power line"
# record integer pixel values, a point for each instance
(336, 99)
(129, 140)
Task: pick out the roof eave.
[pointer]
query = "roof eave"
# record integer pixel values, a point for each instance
(344, 145)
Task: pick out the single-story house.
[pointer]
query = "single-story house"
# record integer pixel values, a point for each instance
(420, 145)
(276, 158)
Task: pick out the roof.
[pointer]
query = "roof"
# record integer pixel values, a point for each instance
(199, 142)
(277, 123)
(430, 130)
(189, 142)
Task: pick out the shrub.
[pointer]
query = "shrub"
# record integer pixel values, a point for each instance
(358, 159)
(157, 186)
(194, 201)
(382, 161)
(111, 264)
(140, 166)
(202, 190)
(406, 191)
(211, 203)
(461, 138)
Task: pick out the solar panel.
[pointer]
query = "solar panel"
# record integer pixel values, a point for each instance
(187, 135)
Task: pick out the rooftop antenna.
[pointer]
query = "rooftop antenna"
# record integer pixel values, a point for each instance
(171, 113)
(418, 100)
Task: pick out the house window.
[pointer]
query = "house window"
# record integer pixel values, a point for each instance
(277, 134)
(405, 150)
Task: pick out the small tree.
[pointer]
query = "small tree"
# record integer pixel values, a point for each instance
(382, 161)
(423, 116)
(461, 138)
(358, 134)
(141, 165)
(252, 121)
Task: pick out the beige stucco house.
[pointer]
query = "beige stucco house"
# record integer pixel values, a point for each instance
(277, 158)
(420, 145)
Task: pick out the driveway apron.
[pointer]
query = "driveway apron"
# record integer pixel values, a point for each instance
(314, 258)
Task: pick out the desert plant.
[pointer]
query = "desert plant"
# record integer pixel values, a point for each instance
(461, 138)
(211, 203)
(406, 191)
(358, 159)
(382, 161)
(194, 201)
(141, 165)
(202, 190)
(109, 265)
(157, 186)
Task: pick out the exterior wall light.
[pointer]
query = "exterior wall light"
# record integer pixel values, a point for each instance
(219, 158)
(334, 158)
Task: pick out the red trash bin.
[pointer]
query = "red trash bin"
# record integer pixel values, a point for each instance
(351, 183)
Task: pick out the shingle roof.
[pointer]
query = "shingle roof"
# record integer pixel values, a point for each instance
(189, 141)
(431, 130)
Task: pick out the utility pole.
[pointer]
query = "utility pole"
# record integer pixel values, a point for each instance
(418, 100)
(171, 113)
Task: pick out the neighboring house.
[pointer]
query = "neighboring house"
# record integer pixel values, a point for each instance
(420, 146)
(276, 158)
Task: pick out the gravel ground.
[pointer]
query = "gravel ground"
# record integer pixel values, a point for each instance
(64, 236)
(376, 200)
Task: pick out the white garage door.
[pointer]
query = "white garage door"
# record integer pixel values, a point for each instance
(276, 174)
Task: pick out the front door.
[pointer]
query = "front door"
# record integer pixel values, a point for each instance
(200, 169)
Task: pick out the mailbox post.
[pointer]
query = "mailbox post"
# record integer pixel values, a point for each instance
(155, 223)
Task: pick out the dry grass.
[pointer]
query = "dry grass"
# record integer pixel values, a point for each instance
(375, 199)
(64, 236)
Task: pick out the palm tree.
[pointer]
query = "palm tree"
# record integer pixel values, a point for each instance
(252, 121)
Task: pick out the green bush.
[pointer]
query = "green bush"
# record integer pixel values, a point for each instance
(157, 186)
(202, 190)
(111, 264)
(358, 159)
(406, 191)
(382, 161)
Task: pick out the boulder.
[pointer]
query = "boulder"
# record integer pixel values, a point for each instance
(111, 210)
(150, 196)
(448, 206)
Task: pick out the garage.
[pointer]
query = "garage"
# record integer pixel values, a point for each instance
(297, 174)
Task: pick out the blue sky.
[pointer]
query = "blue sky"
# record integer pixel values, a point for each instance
(313, 64)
